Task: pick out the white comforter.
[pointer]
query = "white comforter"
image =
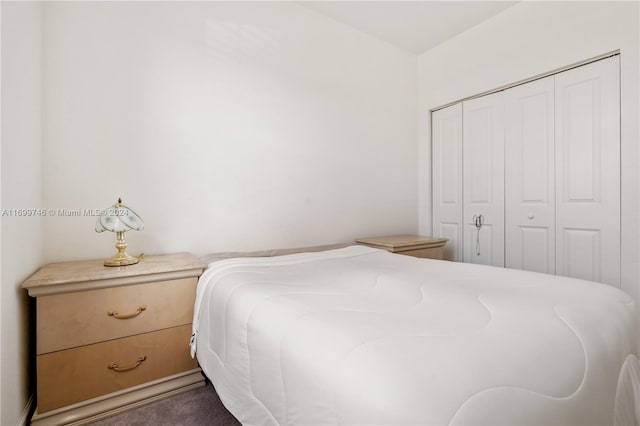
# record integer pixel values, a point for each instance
(359, 336)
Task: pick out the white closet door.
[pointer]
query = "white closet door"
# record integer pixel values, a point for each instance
(587, 135)
(529, 177)
(447, 179)
(483, 165)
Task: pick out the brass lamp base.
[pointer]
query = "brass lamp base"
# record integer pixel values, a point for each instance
(121, 259)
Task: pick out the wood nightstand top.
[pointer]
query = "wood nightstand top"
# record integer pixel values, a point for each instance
(397, 243)
(64, 277)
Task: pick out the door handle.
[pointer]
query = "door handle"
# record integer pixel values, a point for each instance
(478, 220)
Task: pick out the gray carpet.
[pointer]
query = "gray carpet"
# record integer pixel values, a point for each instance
(198, 407)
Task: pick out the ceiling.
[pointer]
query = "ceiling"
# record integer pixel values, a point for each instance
(415, 26)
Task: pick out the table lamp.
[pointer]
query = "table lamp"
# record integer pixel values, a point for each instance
(119, 219)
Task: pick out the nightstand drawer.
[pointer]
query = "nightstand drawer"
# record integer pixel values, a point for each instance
(74, 319)
(78, 374)
(428, 253)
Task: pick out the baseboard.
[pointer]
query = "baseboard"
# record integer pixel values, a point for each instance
(26, 413)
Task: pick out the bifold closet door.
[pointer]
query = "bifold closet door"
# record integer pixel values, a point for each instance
(587, 138)
(447, 178)
(529, 177)
(483, 177)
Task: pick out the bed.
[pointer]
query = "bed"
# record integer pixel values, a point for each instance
(360, 336)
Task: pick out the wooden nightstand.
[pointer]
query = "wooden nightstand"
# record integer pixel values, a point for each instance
(410, 245)
(112, 338)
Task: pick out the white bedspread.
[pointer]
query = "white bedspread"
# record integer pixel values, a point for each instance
(359, 336)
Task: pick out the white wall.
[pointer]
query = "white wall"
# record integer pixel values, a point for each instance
(21, 188)
(526, 40)
(227, 126)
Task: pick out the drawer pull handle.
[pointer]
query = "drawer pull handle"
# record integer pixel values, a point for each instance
(115, 367)
(127, 316)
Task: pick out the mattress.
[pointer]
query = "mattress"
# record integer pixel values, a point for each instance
(360, 336)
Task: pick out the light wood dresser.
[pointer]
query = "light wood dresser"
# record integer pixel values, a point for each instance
(410, 245)
(112, 338)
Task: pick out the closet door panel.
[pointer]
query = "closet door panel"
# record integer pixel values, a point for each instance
(483, 165)
(529, 177)
(582, 253)
(535, 251)
(447, 178)
(587, 136)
